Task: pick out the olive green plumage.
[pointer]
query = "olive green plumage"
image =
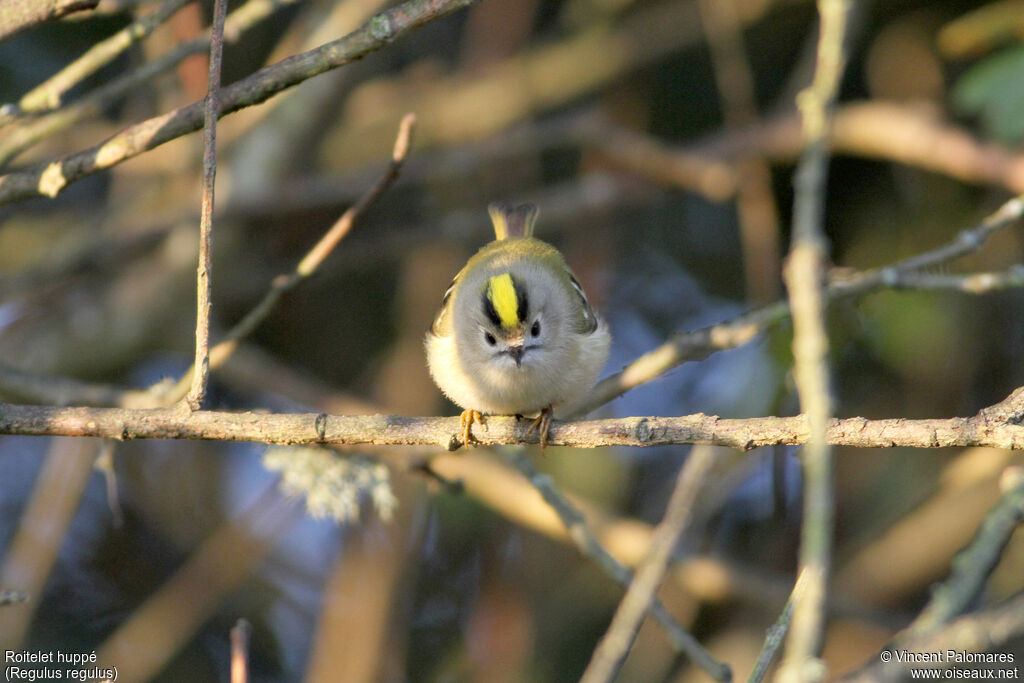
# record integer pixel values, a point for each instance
(515, 333)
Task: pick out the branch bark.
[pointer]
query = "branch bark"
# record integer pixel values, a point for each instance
(984, 429)
(204, 285)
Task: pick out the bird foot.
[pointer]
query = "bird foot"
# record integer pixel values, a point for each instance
(542, 424)
(466, 421)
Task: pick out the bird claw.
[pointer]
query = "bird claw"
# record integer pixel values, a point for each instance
(543, 425)
(466, 421)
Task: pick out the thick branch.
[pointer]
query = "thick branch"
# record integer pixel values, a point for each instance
(307, 428)
(49, 179)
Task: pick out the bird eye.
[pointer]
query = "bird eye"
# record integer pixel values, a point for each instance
(535, 330)
(490, 338)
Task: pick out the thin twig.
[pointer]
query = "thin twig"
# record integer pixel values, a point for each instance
(804, 274)
(217, 568)
(240, 634)
(204, 290)
(591, 547)
(971, 283)
(618, 640)
(694, 345)
(973, 565)
(23, 134)
(48, 179)
(47, 95)
(756, 208)
(310, 262)
(55, 390)
(776, 634)
(982, 631)
(699, 344)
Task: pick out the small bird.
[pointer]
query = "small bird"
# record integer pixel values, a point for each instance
(515, 334)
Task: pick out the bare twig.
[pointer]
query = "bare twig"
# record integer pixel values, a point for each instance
(804, 275)
(591, 547)
(48, 94)
(22, 135)
(201, 367)
(49, 179)
(215, 569)
(900, 133)
(31, 553)
(699, 344)
(310, 262)
(755, 201)
(776, 634)
(981, 631)
(318, 253)
(971, 283)
(21, 15)
(54, 390)
(45, 389)
(240, 633)
(971, 568)
(618, 640)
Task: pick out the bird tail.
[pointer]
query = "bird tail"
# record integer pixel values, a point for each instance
(513, 221)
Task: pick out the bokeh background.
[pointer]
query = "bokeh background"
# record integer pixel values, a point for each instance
(659, 139)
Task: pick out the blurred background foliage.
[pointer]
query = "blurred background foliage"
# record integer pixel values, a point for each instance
(658, 138)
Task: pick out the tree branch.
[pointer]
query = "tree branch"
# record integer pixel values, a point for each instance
(240, 634)
(973, 565)
(47, 95)
(21, 15)
(588, 544)
(699, 344)
(982, 429)
(48, 179)
(27, 132)
(981, 631)
(640, 596)
(309, 264)
(204, 286)
(804, 274)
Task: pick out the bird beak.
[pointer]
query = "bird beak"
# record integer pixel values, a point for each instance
(517, 354)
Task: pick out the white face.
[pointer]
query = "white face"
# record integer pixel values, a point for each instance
(513, 348)
(511, 326)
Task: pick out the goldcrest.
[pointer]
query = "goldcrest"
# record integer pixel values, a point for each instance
(515, 334)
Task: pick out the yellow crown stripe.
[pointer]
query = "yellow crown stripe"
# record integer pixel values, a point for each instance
(501, 292)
